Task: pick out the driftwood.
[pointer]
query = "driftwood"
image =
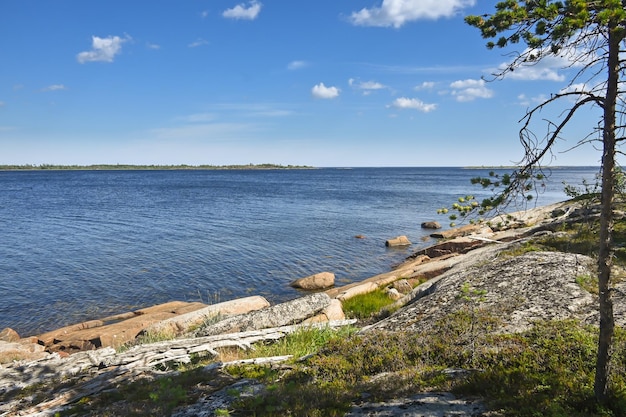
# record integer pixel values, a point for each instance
(253, 361)
(107, 368)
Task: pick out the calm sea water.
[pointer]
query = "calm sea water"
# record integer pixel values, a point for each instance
(78, 245)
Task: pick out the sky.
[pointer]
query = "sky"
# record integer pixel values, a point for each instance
(321, 83)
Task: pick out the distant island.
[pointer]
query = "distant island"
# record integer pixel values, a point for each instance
(122, 167)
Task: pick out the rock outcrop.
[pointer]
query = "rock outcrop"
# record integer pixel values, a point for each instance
(518, 290)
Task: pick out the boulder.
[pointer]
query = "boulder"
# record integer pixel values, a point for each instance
(333, 312)
(362, 288)
(402, 286)
(393, 293)
(398, 241)
(18, 351)
(187, 322)
(290, 312)
(318, 281)
(9, 335)
(431, 225)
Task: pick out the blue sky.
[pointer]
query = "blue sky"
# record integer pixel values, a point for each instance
(322, 83)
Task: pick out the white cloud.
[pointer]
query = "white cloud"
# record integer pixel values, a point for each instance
(240, 11)
(540, 71)
(153, 46)
(2, 104)
(204, 14)
(469, 90)
(528, 101)
(54, 87)
(371, 85)
(426, 85)
(578, 88)
(102, 49)
(321, 91)
(398, 12)
(413, 103)
(366, 86)
(548, 67)
(294, 65)
(198, 42)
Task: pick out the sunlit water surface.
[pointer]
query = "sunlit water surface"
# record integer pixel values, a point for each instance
(78, 245)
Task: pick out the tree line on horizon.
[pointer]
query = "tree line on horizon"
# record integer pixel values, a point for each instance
(29, 167)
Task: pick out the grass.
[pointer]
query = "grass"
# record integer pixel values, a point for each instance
(364, 306)
(546, 371)
(147, 337)
(373, 304)
(158, 396)
(302, 342)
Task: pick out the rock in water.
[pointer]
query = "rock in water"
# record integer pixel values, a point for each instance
(318, 281)
(398, 241)
(431, 225)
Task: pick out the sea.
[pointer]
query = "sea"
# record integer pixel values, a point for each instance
(77, 245)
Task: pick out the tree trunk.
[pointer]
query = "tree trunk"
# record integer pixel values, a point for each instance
(607, 323)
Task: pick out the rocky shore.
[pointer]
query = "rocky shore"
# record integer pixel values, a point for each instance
(522, 289)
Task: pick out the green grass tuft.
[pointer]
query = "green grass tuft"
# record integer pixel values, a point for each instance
(364, 306)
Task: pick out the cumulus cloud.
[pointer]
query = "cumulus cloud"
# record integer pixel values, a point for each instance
(413, 103)
(294, 65)
(321, 91)
(54, 87)
(241, 11)
(398, 12)
(469, 90)
(102, 49)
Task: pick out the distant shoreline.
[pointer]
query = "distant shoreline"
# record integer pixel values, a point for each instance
(124, 167)
(185, 167)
